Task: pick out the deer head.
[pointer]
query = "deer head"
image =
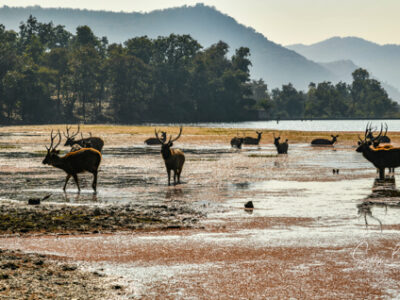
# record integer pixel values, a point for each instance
(334, 138)
(276, 139)
(363, 144)
(52, 152)
(70, 136)
(166, 145)
(370, 134)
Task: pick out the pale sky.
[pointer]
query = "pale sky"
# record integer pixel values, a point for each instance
(282, 21)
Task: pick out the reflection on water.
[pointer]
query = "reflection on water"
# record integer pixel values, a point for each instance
(71, 198)
(384, 195)
(173, 193)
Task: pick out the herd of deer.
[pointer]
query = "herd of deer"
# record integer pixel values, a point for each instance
(85, 154)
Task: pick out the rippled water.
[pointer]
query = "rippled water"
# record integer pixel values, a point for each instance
(317, 125)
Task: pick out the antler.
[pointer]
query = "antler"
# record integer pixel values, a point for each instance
(380, 133)
(73, 134)
(52, 140)
(180, 131)
(386, 129)
(156, 133)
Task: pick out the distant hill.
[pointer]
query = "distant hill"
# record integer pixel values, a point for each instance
(277, 65)
(344, 68)
(341, 68)
(381, 61)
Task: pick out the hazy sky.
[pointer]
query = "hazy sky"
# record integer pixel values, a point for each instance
(282, 21)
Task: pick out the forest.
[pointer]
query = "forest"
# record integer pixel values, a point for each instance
(50, 75)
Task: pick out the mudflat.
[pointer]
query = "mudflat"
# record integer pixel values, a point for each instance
(312, 233)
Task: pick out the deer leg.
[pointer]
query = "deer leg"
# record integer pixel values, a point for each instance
(382, 173)
(66, 181)
(169, 176)
(179, 175)
(77, 182)
(175, 175)
(94, 184)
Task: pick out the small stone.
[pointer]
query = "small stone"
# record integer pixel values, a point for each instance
(68, 268)
(10, 266)
(249, 204)
(34, 201)
(39, 262)
(117, 287)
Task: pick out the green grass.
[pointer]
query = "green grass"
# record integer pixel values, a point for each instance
(263, 155)
(5, 146)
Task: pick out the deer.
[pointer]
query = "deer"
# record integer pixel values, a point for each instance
(325, 141)
(173, 158)
(155, 141)
(382, 139)
(73, 163)
(379, 139)
(237, 142)
(248, 140)
(381, 158)
(90, 142)
(282, 148)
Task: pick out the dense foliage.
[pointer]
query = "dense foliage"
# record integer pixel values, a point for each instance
(48, 75)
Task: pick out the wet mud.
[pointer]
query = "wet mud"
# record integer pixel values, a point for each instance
(312, 233)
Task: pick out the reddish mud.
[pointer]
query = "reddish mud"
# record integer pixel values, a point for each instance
(307, 236)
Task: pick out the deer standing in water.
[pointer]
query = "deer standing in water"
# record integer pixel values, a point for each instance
(282, 148)
(173, 158)
(155, 141)
(325, 141)
(73, 163)
(90, 142)
(384, 139)
(248, 140)
(376, 141)
(380, 157)
(237, 142)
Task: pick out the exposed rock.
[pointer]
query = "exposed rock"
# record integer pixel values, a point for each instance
(249, 205)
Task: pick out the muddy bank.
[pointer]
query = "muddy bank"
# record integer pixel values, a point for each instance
(34, 276)
(20, 218)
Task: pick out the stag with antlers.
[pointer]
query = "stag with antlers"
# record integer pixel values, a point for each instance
(282, 148)
(90, 142)
(173, 158)
(380, 157)
(384, 139)
(84, 159)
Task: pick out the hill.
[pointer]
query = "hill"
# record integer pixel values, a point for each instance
(383, 61)
(274, 63)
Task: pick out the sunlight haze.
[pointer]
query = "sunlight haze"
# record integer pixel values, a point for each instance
(284, 22)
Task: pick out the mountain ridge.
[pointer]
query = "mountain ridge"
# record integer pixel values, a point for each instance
(274, 63)
(383, 61)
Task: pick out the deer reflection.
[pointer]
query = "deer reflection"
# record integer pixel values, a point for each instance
(173, 193)
(79, 197)
(384, 194)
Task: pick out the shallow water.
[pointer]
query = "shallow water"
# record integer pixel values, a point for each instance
(299, 205)
(315, 125)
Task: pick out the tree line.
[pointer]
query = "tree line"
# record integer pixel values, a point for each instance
(49, 75)
(363, 98)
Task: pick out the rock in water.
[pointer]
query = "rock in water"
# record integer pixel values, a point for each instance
(34, 201)
(249, 204)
